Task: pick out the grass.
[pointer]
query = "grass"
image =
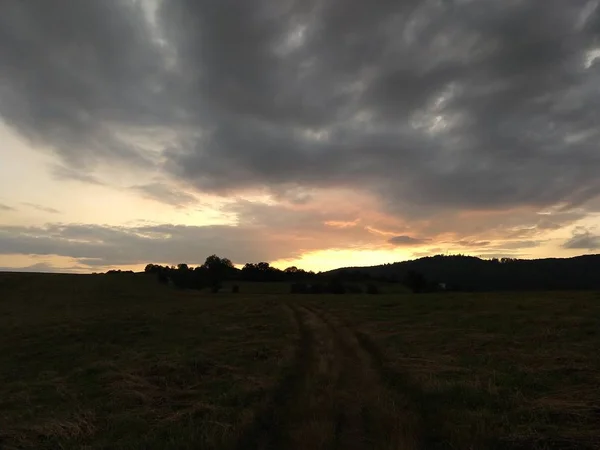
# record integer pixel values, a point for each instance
(491, 370)
(121, 362)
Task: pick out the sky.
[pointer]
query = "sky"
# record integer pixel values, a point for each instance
(315, 133)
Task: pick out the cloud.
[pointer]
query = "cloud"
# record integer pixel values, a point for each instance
(38, 267)
(78, 97)
(468, 243)
(263, 233)
(257, 231)
(164, 194)
(430, 105)
(517, 245)
(434, 110)
(406, 241)
(69, 173)
(583, 239)
(6, 208)
(45, 267)
(42, 208)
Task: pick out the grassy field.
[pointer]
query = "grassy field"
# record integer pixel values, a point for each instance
(121, 362)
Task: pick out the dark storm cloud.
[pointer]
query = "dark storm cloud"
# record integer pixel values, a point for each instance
(429, 105)
(74, 73)
(348, 99)
(584, 240)
(406, 241)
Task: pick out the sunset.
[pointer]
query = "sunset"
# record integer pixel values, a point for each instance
(431, 131)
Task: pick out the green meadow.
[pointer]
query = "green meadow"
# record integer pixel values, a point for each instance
(122, 362)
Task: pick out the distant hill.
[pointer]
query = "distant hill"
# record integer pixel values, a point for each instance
(476, 274)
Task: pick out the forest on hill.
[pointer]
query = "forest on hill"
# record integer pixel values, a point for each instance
(468, 273)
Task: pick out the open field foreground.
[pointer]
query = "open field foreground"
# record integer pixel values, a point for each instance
(121, 362)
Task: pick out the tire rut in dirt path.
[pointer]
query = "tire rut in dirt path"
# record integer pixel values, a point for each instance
(370, 415)
(426, 423)
(333, 397)
(267, 430)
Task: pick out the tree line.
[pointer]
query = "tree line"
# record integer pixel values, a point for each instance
(429, 274)
(216, 270)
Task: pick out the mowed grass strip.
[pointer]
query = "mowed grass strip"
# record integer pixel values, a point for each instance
(493, 371)
(120, 362)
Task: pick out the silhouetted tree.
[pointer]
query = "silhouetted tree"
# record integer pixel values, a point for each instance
(152, 268)
(217, 269)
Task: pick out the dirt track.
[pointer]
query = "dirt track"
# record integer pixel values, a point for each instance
(333, 397)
